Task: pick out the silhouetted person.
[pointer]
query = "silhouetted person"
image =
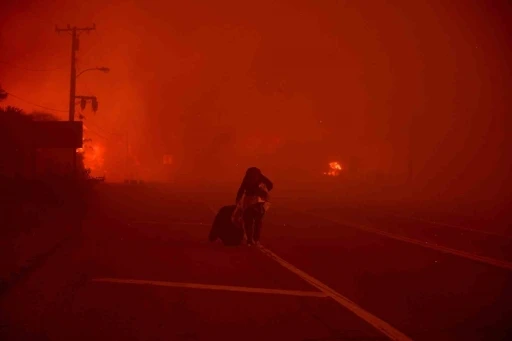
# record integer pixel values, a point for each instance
(254, 190)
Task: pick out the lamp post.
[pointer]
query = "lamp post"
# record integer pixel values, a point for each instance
(102, 69)
(72, 94)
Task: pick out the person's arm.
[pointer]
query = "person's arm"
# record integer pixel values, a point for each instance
(240, 192)
(267, 183)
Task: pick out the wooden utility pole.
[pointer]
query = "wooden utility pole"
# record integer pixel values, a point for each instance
(75, 31)
(74, 47)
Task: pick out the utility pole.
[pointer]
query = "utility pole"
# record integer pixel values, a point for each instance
(74, 47)
(75, 31)
(127, 160)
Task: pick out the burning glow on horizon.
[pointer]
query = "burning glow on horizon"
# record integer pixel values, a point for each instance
(335, 169)
(93, 154)
(94, 157)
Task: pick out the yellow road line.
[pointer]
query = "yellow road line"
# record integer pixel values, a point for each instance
(437, 223)
(482, 259)
(170, 223)
(377, 323)
(214, 287)
(491, 233)
(471, 256)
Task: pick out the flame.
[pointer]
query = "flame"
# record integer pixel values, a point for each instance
(335, 169)
(93, 156)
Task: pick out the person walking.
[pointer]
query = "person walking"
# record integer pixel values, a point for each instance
(253, 198)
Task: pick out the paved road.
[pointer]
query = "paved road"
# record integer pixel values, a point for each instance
(141, 269)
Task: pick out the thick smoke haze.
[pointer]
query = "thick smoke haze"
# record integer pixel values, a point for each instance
(412, 92)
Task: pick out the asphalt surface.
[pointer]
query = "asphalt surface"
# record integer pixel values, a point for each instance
(141, 268)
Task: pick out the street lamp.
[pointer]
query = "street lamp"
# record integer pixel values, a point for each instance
(102, 69)
(72, 94)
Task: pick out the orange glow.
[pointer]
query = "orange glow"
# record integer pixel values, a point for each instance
(396, 89)
(335, 169)
(93, 154)
(167, 160)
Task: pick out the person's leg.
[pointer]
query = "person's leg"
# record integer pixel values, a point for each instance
(248, 224)
(258, 221)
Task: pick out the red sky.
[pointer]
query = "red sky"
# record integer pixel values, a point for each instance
(282, 84)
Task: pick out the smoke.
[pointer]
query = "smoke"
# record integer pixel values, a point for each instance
(413, 91)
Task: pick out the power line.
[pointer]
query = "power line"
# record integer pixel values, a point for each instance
(98, 134)
(84, 54)
(104, 130)
(88, 128)
(29, 69)
(37, 105)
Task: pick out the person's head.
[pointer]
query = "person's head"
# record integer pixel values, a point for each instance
(252, 174)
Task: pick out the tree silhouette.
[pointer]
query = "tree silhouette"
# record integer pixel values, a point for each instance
(43, 116)
(3, 94)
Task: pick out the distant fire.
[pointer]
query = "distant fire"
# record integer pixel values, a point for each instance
(334, 169)
(93, 156)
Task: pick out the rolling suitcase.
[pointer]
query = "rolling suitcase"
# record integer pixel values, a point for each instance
(224, 229)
